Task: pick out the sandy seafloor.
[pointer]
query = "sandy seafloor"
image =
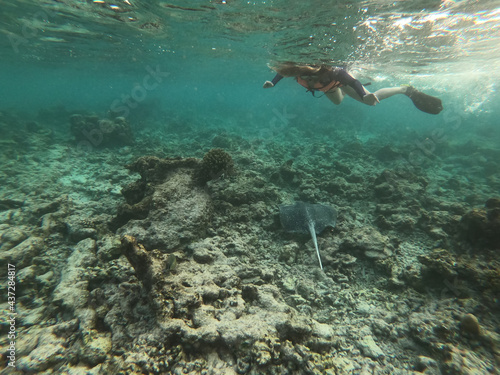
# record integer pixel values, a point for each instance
(183, 277)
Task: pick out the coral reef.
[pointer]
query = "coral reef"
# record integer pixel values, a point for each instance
(215, 164)
(482, 226)
(217, 310)
(156, 209)
(142, 269)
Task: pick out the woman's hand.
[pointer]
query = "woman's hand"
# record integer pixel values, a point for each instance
(268, 84)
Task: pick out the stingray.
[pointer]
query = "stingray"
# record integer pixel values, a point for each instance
(308, 218)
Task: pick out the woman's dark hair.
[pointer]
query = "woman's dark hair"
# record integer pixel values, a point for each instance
(290, 69)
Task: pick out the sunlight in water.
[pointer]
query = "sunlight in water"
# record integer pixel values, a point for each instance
(401, 40)
(171, 204)
(458, 46)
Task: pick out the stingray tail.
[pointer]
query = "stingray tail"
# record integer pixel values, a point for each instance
(313, 235)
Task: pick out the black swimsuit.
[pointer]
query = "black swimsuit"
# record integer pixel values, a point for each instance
(336, 74)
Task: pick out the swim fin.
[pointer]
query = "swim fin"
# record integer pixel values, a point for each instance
(426, 103)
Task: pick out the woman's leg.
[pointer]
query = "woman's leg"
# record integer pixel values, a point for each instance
(379, 94)
(348, 90)
(388, 92)
(336, 95)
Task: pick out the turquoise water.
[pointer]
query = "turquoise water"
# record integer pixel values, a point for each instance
(216, 54)
(187, 76)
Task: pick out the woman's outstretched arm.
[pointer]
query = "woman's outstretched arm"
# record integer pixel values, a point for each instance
(272, 83)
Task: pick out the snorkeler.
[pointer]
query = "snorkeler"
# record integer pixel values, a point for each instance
(336, 83)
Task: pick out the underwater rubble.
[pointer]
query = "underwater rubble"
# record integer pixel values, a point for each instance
(90, 131)
(163, 264)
